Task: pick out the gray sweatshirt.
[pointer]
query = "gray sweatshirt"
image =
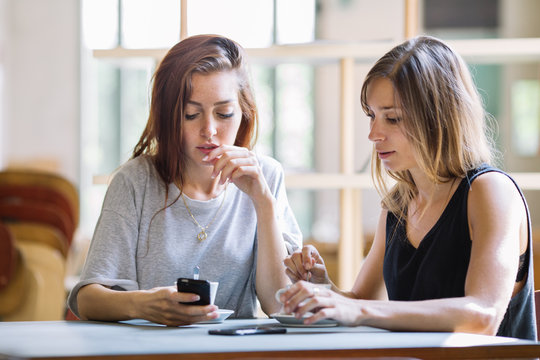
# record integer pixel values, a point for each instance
(128, 252)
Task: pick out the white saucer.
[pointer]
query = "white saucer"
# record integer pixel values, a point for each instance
(290, 320)
(223, 314)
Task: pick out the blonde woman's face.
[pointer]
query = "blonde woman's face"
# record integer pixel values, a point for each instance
(386, 129)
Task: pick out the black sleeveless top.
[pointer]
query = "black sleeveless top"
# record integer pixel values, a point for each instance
(438, 267)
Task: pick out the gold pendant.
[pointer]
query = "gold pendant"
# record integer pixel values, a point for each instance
(202, 235)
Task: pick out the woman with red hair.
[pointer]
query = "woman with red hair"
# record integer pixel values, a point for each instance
(193, 196)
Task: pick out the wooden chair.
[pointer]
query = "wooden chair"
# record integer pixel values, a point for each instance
(41, 179)
(30, 192)
(40, 233)
(46, 214)
(48, 267)
(14, 194)
(537, 305)
(36, 292)
(8, 257)
(32, 274)
(41, 211)
(19, 294)
(16, 276)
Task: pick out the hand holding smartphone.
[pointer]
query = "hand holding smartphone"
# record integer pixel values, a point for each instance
(257, 330)
(199, 287)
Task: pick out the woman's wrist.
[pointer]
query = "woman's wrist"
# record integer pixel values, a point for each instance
(132, 308)
(131, 303)
(264, 205)
(359, 312)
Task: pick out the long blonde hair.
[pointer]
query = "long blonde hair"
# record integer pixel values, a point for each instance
(442, 116)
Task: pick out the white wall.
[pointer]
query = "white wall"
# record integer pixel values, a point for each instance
(39, 92)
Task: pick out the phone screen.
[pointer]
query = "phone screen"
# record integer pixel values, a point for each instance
(199, 287)
(258, 330)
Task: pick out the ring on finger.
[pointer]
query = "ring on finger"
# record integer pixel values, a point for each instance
(316, 291)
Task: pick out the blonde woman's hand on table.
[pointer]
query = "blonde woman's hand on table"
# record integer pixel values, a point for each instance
(319, 303)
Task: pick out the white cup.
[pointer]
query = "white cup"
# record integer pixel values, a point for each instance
(213, 291)
(282, 290)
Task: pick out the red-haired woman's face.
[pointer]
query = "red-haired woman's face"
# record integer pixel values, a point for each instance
(212, 115)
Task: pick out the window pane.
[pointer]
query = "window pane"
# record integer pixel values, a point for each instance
(106, 127)
(135, 97)
(112, 125)
(302, 204)
(150, 23)
(99, 134)
(461, 14)
(263, 87)
(294, 116)
(480, 19)
(526, 116)
(100, 24)
(284, 96)
(487, 78)
(324, 226)
(295, 21)
(229, 18)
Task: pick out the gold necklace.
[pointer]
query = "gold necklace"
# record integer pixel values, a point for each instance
(201, 236)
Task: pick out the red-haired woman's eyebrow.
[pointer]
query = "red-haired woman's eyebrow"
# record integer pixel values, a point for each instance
(223, 102)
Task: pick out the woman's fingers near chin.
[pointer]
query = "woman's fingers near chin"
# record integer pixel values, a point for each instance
(222, 179)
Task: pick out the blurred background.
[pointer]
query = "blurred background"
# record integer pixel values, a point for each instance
(75, 85)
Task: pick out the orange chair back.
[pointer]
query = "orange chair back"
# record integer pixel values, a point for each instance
(8, 257)
(42, 179)
(38, 213)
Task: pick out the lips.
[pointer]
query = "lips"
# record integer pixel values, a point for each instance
(384, 154)
(206, 148)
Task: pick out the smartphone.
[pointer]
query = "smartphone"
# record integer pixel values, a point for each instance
(258, 330)
(199, 287)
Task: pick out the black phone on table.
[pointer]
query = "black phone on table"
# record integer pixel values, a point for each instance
(257, 330)
(199, 287)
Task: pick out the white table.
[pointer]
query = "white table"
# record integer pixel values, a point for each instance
(140, 339)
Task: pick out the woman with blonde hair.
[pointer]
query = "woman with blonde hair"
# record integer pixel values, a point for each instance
(193, 196)
(452, 249)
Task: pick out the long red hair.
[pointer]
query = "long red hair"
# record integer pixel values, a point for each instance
(172, 87)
